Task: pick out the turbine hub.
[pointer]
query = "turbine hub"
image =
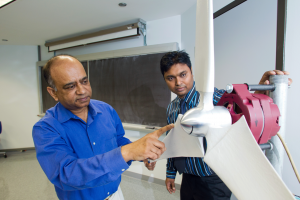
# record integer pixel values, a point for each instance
(197, 121)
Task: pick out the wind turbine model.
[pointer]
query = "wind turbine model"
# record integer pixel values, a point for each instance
(232, 150)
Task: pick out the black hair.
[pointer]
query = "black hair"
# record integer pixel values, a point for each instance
(173, 58)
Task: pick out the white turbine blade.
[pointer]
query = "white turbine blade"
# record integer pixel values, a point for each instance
(240, 163)
(204, 52)
(215, 135)
(180, 144)
(203, 70)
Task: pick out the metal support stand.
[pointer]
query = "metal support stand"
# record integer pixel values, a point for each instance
(279, 96)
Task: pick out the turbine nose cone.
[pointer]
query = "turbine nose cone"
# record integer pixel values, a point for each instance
(197, 122)
(187, 121)
(192, 124)
(187, 125)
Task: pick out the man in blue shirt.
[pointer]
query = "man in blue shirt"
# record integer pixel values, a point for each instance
(80, 142)
(199, 182)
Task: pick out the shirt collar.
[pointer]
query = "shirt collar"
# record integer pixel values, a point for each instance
(64, 114)
(94, 109)
(188, 97)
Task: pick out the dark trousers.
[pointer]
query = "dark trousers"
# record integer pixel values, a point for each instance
(203, 188)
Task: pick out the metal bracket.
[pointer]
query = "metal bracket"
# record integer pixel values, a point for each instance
(265, 146)
(143, 29)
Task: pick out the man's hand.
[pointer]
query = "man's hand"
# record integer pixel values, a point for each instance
(149, 165)
(265, 78)
(147, 147)
(170, 184)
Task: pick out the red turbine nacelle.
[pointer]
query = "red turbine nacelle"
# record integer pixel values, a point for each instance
(261, 113)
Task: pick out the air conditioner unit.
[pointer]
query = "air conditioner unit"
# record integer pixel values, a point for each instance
(130, 30)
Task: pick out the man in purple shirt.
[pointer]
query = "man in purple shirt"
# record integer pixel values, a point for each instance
(80, 142)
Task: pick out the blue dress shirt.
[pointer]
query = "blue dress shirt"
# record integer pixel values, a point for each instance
(82, 159)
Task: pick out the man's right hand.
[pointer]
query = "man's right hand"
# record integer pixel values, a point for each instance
(149, 165)
(170, 184)
(147, 147)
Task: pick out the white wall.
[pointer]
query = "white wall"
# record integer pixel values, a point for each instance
(19, 95)
(45, 55)
(188, 29)
(188, 32)
(164, 31)
(245, 42)
(242, 43)
(292, 63)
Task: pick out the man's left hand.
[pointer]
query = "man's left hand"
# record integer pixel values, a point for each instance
(265, 78)
(149, 165)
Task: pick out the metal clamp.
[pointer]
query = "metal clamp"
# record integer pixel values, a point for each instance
(143, 29)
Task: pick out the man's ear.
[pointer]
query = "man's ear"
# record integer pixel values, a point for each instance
(52, 92)
(191, 70)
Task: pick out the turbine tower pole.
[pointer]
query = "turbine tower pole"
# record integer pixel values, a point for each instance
(279, 95)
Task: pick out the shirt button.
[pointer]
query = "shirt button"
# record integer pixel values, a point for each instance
(108, 193)
(94, 143)
(123, 170)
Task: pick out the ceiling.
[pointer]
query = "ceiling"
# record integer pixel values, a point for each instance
(33, 22)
